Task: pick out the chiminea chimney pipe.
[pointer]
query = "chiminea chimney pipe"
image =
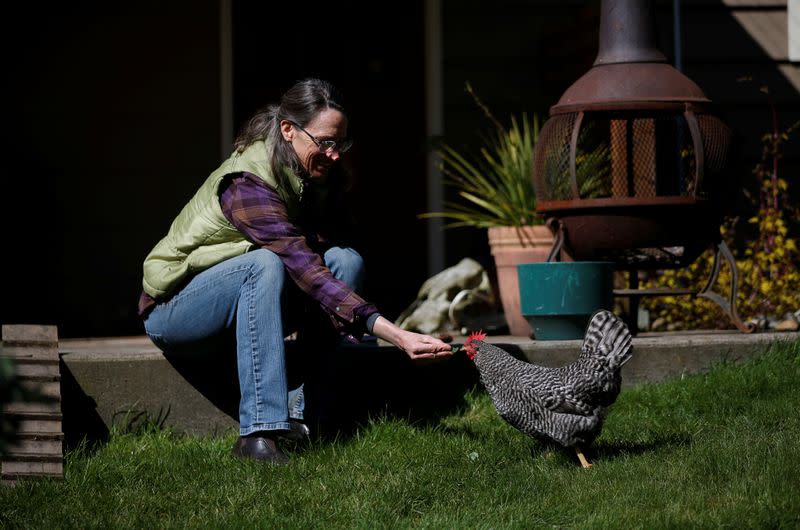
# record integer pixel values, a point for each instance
(629, 71)
(627, 33)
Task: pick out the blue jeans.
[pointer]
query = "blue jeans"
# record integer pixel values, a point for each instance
(249, 295)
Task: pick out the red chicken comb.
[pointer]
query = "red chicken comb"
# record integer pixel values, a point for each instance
(469, 347)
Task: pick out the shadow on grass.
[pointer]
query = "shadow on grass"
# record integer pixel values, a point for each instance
(365, 383)
(621, 449)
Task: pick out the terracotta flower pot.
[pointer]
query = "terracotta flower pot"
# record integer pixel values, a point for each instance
(511, 246)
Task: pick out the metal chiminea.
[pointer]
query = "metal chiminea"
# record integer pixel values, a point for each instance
(628, 167)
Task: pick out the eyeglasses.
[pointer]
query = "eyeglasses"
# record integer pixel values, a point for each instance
(326, 146)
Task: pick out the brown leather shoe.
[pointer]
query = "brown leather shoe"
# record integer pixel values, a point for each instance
(298, 432)
(259, 448)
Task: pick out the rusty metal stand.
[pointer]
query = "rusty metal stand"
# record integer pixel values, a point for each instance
(727, 305)
(634, 293)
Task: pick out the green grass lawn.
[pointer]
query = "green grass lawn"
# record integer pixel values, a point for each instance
(716, 450)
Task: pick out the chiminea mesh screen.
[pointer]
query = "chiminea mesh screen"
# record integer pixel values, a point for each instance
(627, 154)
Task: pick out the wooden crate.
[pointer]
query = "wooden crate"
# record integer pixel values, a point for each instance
(38, 450)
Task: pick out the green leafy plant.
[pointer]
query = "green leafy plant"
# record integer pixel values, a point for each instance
(497, 187)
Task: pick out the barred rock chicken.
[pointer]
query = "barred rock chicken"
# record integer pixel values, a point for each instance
(566, 405)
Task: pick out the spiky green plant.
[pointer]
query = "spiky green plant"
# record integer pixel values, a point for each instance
(592, 168)
(497, 186)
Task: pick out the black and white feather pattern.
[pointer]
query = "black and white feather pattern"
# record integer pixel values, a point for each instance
(566, 405)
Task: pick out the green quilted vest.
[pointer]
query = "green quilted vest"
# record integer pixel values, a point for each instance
(201, 236)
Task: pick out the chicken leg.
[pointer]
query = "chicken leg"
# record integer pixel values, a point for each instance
(584, 463)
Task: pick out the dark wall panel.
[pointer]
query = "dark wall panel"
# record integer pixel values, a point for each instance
(112, 119)
(374, 55)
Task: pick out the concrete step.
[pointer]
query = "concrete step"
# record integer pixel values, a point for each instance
(127, 381)
(657, 356)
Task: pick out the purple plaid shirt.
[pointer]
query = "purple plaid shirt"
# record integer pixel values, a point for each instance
(259, 213)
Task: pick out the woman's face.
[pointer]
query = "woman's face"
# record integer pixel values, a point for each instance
(329, 124)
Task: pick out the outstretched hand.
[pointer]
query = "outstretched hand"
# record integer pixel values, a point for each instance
(418, 347)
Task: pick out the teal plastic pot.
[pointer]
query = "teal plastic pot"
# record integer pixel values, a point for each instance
(557, 298)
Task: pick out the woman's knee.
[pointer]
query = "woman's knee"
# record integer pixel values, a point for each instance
(266, 265)
(346, 264)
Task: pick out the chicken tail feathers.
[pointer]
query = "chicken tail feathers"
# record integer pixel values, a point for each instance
(607, 336)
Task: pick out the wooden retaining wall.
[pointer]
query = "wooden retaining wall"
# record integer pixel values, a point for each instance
(36, 449)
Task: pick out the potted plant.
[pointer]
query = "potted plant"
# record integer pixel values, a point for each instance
(496, 192)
